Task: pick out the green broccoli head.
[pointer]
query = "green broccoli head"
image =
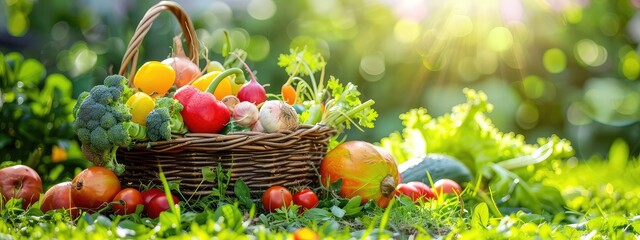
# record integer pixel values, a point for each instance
(176, 123)
(101, 94)
(158, 124)
(81, 98)
(103, 122)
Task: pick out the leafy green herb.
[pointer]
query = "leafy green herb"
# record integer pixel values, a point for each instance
(335, 105)
(469, 135)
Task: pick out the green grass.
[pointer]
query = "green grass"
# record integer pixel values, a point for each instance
(602, 202)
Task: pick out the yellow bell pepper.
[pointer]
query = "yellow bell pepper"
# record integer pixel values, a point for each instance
(141, 104)
(154, 78)
(222, 90)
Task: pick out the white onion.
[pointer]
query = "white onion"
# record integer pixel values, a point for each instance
(277, 116)
(246, 114)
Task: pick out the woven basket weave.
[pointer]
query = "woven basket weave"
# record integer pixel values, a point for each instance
(261, 160)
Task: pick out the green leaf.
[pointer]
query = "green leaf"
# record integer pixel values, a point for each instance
(619, 154)
(480, 217)
(636, 227)
(232, 217)
(317, 214)
(336, 186)
(31, 73)
(353, 206)
(208, 174)
(242, 193)
(337, 211)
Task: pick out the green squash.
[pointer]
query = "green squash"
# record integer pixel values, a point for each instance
(439, 166)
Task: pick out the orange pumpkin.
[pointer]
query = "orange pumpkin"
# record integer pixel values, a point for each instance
(366, 170)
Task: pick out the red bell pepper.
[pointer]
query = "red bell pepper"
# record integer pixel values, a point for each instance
(202, 112)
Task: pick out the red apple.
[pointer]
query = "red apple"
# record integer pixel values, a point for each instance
(59, 197)
(20, 181)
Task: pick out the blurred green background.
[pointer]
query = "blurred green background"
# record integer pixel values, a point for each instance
(565, 67)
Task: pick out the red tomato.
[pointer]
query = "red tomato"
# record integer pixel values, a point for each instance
(59, 197)
(446, 185)
(20, 181)
(150, 194)
(276, 197)
(159, 204)
(306, 199)
(305, 234)
(408, 190)
(94, 187)
(131, 197)
(424, 189)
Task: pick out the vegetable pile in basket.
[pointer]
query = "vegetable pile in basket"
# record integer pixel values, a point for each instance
(171, 98)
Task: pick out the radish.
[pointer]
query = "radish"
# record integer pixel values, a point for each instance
(252, 91)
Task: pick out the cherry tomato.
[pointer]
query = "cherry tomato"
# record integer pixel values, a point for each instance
(408, 190)
(424, 189)
(446, 185)
(276, 197)
(306, 199)
(305, 234)
(150, 194)
(131, 197)
(94, 187)
(159, 204)
(59, 197)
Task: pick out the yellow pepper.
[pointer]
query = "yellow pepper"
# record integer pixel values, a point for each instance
(58, 154)
(141, 104)
(154, 78)
(222, 90)
(215, 66)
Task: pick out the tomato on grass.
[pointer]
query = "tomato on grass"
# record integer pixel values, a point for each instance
(446, 185)
(131, 198)
(150, 194)
(276, 197)
(306, 199)
(158, 205)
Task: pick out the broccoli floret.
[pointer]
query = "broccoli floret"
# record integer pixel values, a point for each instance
(107, 120)
(99, 139)
(176, 123)
(81, 98)
(121, 112)
(101, 94)
(103, 122)
(122, 134)
(119, 89)
(84, 135)
(158, 124)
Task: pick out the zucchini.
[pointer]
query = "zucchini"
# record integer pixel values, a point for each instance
(439, 166)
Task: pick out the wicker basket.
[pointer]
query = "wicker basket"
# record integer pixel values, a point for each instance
(261, 160)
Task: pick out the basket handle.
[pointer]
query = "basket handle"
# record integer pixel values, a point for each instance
(131, 55)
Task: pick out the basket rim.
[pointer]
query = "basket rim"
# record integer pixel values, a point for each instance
(316, 132)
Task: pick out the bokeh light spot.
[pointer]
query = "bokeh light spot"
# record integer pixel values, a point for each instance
(554, 60)
(372, 67)
(527, 115)
(486, 62)
(590, 53)
(406, 31)
(18, 24)
(500, 39)
(261, 9)
(576, 116)
(533, 87)
(631, 66)
(258, 48)
(463, 25)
